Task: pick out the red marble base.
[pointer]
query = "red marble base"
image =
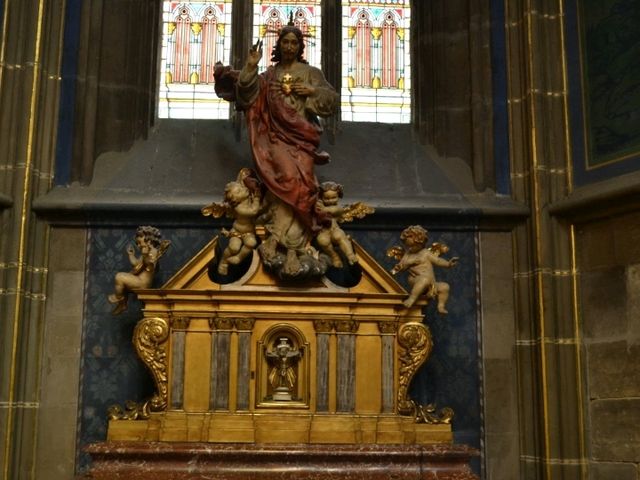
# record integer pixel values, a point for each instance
(189, 461)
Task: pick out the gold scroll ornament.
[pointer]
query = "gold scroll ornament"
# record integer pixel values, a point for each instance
(150, 339)
(416, 344)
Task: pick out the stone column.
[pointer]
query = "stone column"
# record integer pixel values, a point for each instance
(30, 52)
(548, 345)
(346, 365)
(117, 79)
(244, 327)
(323, 332)
(451, 87)
(499, 375)
(220, 345)
(60, 377)
(178, 333)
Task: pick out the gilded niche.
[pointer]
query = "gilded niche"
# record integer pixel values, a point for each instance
(283, 368)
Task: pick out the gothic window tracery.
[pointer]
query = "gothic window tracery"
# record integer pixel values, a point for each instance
(210, 45)
(376, 61)
(182, 45)
(375, 54)
(389, 51)
(195, 35)
(363, 49)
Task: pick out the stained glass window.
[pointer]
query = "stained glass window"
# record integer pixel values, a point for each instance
(376, 74)
(375, 51)
(269, 16)
(195, 35)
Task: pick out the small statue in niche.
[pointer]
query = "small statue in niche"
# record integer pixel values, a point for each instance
(332, 237)
(152, 247)
(242, 202)
(419, 261)
(282, 375)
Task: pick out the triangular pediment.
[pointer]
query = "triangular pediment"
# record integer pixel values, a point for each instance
(194, 275)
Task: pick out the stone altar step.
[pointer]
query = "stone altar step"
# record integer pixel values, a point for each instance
(190, 461)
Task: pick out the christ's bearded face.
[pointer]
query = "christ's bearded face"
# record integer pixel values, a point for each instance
(289, 47)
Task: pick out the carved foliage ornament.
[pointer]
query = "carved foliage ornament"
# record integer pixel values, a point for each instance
(346, 326)
(244, 324)
(388, 327)
(150, 341)
(416, 344)
(323, 325)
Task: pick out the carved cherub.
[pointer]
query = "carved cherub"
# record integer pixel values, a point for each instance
(331, 237)
(152, 247)
(242, 202)
(419, 261)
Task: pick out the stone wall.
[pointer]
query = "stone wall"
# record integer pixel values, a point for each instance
(499, 371)
(56, 435)
(609, 263)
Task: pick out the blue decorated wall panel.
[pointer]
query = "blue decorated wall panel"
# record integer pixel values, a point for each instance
(112, 373)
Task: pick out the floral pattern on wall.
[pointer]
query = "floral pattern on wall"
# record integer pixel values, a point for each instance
(112, 373)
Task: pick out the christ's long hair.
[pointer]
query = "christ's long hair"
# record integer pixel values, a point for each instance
(276, 55)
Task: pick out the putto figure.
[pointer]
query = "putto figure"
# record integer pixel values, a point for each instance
(419, 262)
(243, 205)
(282, 106)
(152, 247)
(332, 237)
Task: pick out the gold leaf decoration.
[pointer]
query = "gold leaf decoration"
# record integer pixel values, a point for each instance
(245, 324)
(387, 327)
(346, 326)
(415, 344)
(150, 339)
(215, 210)
(323, 325)
(429, 414)
(356, 210)
(395, 252)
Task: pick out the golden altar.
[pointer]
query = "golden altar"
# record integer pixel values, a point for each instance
(350, 355)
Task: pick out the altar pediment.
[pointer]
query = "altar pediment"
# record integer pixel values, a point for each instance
(194, 276)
